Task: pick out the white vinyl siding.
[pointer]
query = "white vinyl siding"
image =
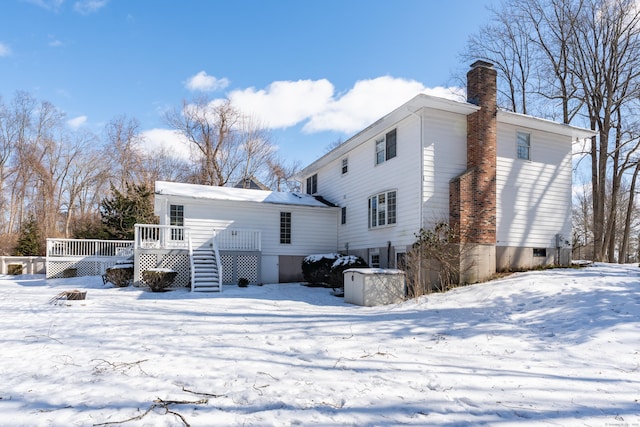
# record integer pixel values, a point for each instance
(534, 197)
(444, 158)
(366, 179)
(313, 228)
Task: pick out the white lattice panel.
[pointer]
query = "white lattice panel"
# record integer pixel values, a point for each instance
(240, 265)
(247, 267)
(178, 262)
(181, 264)
(227, 268)
(56, 269)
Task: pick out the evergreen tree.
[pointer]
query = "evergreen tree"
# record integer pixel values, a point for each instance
(122, 211)
(29, 241)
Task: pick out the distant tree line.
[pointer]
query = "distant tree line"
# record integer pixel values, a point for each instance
(578, 62)
(56, 181)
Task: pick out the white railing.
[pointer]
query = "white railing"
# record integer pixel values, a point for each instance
(88, 248)
(216, 251)
(238, 240)
(149, 236)
(192, 267)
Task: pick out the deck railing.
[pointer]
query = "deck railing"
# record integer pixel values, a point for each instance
(238, 240)
(84, 257)
(89, 248)
(149, 236)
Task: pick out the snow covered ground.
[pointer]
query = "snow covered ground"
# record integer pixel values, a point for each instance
(558, 347)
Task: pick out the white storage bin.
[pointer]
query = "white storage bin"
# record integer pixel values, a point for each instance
(373, 286)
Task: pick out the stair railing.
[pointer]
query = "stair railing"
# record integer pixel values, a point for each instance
(191, 263)
(214, 247)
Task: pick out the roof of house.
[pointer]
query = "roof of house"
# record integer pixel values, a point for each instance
(251, 183)
(422, 101)
(212, 192)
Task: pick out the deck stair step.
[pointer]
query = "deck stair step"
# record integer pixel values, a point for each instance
(205, 276)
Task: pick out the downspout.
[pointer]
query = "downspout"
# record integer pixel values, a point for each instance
(421, 159)
(421, 195)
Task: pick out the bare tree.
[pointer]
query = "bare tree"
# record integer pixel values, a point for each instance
(587, 63)
(226, 144)
(280, 177)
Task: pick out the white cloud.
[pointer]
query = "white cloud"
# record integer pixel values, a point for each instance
(4, 50)
(315, 103)
(205, 83)
(87, 7)
(169, 140)
(287, 103)
(367, 101)
(52, 5)
(77, 122)
(284, 103)
(53, 42)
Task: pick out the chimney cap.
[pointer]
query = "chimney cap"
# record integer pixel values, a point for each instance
(481, 63)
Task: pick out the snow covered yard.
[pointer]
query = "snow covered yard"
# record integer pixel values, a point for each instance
(558, 347)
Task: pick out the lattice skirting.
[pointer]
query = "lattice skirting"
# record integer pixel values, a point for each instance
(80, 267)
(237, 265)
(174, 260)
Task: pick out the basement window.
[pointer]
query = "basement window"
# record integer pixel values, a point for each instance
(374, 258)
(540, 252)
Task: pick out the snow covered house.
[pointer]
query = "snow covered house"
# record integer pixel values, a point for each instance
(503, 179)
(258, 235)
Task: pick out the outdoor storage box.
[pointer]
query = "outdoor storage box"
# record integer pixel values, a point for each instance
(373, 286)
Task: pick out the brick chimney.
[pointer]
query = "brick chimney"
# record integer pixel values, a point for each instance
(472, 195)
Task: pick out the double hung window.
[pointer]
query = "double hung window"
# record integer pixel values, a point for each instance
(176, 219)
(285, 228)
(382, 209)
(386, 147)
(524, 146)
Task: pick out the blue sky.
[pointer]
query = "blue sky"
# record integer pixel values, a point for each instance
(312, 71)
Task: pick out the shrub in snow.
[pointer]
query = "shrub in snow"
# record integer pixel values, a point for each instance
(316, 268)
(340, 265)
(119, 275)
(243, 282)
(158, 279)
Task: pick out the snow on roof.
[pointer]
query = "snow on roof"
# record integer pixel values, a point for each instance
(212, 192)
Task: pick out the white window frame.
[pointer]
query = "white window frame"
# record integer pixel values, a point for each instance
(523, 145)
(383, 209)
(373, 255)
(285, 228)
(383, 145)
(312, 184)
(345, 165)
(176, 219)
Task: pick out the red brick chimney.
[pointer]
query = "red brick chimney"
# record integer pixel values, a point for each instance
(472, 201)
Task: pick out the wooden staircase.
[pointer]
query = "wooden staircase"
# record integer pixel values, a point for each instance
(206, 271)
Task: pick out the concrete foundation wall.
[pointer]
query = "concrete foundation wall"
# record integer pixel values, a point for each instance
(477, 263)
(509, 258)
